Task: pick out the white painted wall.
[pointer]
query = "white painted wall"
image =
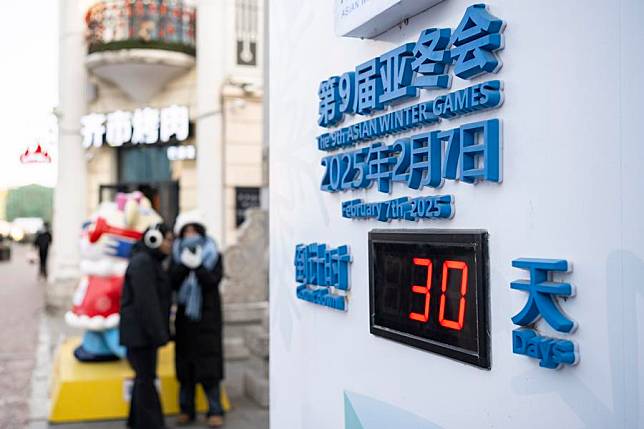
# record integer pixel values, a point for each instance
(216, 69)
(572, 189)
(210, 78)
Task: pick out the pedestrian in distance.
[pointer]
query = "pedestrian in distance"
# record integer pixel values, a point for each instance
(42, 241)
(144, 322)
(196, 270)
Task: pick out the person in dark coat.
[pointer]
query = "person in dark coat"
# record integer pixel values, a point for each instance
(144, 322)
(196, 270)
(42, 242)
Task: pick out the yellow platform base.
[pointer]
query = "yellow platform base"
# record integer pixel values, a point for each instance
(99, 391)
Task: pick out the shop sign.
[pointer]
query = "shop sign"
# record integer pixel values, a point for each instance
(143, 126)
(245, 198)
(322, 274)
(182, 153)
(470, 153)
(542, 303)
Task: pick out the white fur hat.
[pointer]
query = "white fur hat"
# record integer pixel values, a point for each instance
(187, 218)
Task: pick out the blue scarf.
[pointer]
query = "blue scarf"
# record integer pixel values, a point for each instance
(190, 291)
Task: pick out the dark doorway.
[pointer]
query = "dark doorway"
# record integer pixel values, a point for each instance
(146, 168)
(143, 163)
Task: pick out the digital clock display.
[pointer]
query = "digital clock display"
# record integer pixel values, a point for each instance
(429, 289)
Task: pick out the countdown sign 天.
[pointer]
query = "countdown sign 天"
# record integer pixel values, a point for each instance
(428, 288)
(469, 153)
(542, 291)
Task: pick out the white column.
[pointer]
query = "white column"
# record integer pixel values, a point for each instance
(70, 193)
(211, 54)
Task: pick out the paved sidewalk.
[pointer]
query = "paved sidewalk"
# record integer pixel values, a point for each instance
(244, 415)
(29, 337)
(28, 340)
(21, 303)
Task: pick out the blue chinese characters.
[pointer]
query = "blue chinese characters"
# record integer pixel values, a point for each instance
(432, 58)
(469, 153)
(396, 76)
(541, 302)
(322, 274)
(329, 109)
(474, 42)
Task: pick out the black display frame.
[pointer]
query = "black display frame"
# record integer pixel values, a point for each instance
(478, 239)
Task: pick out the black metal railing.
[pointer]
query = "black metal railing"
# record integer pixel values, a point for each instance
(152, 24)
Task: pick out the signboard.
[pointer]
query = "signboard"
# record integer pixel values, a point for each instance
(470, 153)
(429, 289)
(143, 126)
(369, 18)
(245, 198)
(554, 262)
(182, 153)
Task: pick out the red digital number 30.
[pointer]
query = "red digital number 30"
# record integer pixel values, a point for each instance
(425, 290)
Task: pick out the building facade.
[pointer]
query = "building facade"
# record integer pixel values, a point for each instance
(164, 97)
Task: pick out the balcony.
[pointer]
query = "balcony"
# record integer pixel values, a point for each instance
(140, 45)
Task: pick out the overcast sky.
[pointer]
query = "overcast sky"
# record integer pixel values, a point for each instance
(28, 87)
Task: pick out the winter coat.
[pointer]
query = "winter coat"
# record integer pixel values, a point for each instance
(145, 301)
(42, 242)
(199, 344)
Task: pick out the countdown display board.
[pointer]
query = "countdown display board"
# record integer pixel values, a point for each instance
(429, 289)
